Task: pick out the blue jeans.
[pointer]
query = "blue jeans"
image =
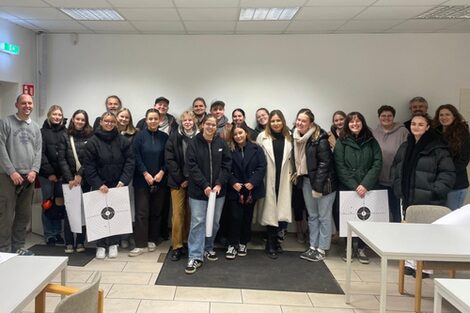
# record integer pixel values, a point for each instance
(197, 241)
(456, 198)
(393, 204)
(319, 216)
(51, 228)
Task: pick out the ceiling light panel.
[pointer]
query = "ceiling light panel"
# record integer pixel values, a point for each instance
(447, 12)
(93, 14)
(267, 14)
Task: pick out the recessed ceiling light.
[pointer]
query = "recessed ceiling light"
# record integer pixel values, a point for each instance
(267, 14)
(447, 12)
(93, 14)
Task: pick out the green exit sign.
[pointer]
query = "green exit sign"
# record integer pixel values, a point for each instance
(9, 48)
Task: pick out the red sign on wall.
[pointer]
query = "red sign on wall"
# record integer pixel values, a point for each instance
(28, 89)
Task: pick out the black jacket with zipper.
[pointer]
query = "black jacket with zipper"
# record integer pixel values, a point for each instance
(67, 158)
(51, 138)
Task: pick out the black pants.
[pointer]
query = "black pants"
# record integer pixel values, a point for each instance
(69, 238)
(108, 241)
(240, 222)
(148, 215)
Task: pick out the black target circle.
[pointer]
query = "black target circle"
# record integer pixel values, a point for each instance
(363, 213)
(107, 213)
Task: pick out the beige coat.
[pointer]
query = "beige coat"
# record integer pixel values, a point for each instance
(270, 212)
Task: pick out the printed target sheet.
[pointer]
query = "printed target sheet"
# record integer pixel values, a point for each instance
(107, 214)
(372, 208)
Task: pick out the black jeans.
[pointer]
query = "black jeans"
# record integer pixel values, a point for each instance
(240, 223)
(148, 215)
(69, 238)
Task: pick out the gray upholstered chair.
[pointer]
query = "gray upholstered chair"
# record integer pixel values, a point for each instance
(86, 300)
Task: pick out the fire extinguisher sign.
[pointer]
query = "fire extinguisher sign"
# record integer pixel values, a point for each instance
(28, 89)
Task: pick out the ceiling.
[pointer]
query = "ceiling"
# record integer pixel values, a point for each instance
(221, 16)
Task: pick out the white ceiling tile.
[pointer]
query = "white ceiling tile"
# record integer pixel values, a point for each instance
(114, 26)
(58, 26)
(314, 26)
(36, 13)
(369, 26)
(463, 26)
(457, 2)
(326, 13)
(423, 25)
(215, 26)
(340, 2)
(270, 3)
(408, 2)
(79, 4)
(207, 3)
(159, 26)
(7, 16)
(372, 13)
(142, 3)
(150, 14)
(218, 14)
(262, 27)
(23, 3)
(25, 24)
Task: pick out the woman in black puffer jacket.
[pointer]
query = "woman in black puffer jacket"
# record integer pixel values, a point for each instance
(423, 170)
(71, 159)
(50, 175)
(109, 163)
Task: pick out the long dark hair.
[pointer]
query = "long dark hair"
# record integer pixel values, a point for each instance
(285, 129)
(365, 132)
(457, 132)
(87, 129)
(232, 143)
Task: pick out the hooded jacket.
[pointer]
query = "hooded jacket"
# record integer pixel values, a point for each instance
(109, 159)
(52, 135)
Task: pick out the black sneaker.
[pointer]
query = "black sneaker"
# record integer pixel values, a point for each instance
(309, 255)
(353, 255)
(23, 251)
(231, 253)
(242, 250)
(409, 271)
(59, 240)
(211, 255)
(176, 254)
(362, 257)
(192, 266)
(51, 241)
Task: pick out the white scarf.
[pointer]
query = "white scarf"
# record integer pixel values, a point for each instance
(300, 142)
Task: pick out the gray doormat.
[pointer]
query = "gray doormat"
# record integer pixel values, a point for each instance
(75, 259)
(254, 271)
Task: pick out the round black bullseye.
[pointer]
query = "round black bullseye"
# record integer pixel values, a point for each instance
(363, 213)
(107, 213)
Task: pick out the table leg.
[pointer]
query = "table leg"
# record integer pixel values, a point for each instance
(40, 302)
(348, 265)
(437, 300)
(383, 284)
(418, 287)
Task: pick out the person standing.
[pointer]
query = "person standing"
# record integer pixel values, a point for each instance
(20, 161)
(417, 105)
(209, 162)
(50, 176)
(113, 104)
(109, 163)
(390, 136)
(449, 123)
(262, 117)
(199, 110)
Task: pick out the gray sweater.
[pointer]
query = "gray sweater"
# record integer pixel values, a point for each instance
(20, 146)
(389, 143)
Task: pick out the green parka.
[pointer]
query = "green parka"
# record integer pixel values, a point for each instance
(357, 163)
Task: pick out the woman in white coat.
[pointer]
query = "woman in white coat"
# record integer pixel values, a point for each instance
(276, 142)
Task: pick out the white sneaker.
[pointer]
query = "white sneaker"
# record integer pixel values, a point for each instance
(113, 251)
(136, 251)
(151, 246)
(100, 253)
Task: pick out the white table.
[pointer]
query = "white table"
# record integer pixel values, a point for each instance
(456, 291)
(399, 241)
(22, 278)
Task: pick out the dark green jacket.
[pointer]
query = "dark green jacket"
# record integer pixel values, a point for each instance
(357, 164)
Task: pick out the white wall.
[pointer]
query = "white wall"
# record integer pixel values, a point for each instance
(17, 69)
(322, 72)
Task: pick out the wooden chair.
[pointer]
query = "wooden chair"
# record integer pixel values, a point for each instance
(86, 300)
(426, 214)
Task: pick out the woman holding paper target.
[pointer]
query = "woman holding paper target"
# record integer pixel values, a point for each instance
(358, 161)
(209, 162)
(71, 158)
(109, 163)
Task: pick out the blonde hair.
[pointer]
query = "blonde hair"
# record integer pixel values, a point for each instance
(130, 127)
(52, 109)
(190, 114)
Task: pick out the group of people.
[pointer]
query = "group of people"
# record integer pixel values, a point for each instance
(272, 170)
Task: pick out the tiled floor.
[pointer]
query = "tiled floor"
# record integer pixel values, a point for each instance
(129, 288)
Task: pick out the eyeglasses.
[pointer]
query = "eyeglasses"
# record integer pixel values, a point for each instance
(109, 122)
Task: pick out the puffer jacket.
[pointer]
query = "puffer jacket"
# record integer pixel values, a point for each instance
(109, 159)
(51, 138)
(321, 165)
(357, 163)
(209, 164)
(174, 157)
(431, 179)
(66, 157)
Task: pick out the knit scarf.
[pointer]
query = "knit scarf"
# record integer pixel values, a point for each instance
(300, 142)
